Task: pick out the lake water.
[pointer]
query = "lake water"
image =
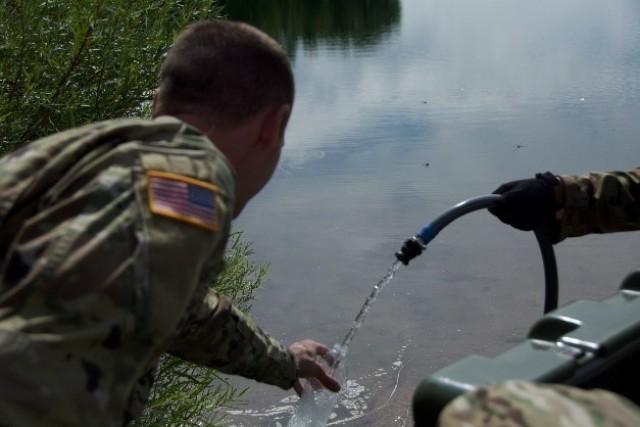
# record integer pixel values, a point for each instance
(403, 109)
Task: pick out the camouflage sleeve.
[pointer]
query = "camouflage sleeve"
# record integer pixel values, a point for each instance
(218, 335)
(212, 331)
(602, 202)
(519, 403)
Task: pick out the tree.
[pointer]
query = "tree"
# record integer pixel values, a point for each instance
(64, 63)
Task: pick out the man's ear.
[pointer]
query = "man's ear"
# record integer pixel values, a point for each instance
(274, 124)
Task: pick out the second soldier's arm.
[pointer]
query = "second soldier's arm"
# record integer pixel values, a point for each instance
(601, 202)
(571, 206)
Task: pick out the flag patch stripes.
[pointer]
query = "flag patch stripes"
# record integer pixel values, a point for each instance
(183, 199)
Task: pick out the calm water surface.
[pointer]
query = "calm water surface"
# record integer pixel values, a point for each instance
(403, 109)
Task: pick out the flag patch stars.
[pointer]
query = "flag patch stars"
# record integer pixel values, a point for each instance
(182, 198)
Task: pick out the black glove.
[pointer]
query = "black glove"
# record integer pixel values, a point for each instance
(529, 204)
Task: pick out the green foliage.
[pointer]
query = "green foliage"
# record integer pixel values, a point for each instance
(335, 23)
(185, 394)
(240, 269)
(68, 62)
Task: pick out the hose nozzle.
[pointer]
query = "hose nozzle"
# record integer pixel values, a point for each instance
(411, 248)
(418, 243)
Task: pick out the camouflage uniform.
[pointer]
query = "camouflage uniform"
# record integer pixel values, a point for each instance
(600, 202)
(526, 404)
(110, 235)
(592, 203)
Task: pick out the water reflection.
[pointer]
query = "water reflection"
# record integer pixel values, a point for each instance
(327, 23)
(482, 92)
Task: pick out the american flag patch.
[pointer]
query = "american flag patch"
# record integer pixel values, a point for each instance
(183, 198)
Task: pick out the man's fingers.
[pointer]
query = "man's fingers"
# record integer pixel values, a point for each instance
(313, 360)
(329, 382)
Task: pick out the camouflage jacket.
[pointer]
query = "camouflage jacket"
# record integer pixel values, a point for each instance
(110, 235)
(518, 403)
(601, 202)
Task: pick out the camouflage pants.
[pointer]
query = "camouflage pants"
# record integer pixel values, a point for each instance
(527, 404)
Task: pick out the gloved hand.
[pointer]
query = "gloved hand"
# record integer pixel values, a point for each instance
(529, 203)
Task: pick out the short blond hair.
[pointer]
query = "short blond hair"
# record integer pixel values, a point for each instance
(230, 69)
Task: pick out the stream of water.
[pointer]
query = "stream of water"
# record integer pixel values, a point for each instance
(371, 299)
(315, 406)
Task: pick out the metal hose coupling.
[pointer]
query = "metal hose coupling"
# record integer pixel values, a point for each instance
(411, 248)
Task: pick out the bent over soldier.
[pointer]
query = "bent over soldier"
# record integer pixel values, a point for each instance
(111, 233)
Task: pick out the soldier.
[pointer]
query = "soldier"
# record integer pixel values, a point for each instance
(111, 234)
(568, 206)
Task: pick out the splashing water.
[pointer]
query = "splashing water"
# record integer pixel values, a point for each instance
(315, 406)
(357, 323)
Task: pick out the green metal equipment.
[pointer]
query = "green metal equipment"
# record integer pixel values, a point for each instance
(588, 344)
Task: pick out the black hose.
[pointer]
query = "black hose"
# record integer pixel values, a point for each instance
(415, 245)
(550, 269)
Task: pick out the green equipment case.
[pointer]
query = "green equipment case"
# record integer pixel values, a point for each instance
(589, 344)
